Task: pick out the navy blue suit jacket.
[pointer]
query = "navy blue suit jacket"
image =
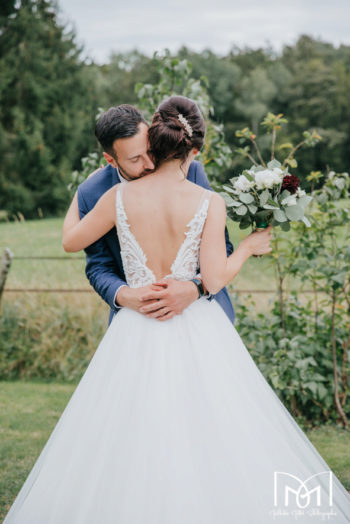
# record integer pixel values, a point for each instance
(104, 267)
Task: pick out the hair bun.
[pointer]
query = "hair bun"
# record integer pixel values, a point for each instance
(177, 127)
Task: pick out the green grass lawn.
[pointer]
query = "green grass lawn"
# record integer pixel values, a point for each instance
(29, 412)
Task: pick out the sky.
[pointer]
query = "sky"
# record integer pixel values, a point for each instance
(105, 26)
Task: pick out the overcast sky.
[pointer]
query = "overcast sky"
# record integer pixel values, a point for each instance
(104, 26)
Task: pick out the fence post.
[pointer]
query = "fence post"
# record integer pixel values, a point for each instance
(5, 268)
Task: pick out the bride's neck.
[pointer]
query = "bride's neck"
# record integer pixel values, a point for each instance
(175, 170)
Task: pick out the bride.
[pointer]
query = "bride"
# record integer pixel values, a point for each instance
(172, 422)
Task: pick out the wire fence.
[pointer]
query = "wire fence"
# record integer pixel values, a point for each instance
(90, 290)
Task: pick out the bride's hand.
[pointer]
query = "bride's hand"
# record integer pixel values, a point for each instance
(258, 242)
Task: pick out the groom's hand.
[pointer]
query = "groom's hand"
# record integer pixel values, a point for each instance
(131, 297)
(169, 298)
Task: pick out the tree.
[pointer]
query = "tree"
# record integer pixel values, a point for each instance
(47, 104)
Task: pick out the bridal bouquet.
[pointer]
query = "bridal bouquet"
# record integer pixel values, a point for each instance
(264, 195)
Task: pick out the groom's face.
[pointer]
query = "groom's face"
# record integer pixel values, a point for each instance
(131, 155)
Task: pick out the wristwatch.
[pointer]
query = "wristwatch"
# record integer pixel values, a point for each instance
(199, 285)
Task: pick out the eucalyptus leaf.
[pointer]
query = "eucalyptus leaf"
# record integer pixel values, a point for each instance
(272, 203)
(273, 163)
(304, 201)
(229, 189)
(268, 206)
(246, 198)
(279, 215)
(306, 221)
(285, 226)
(252, 208)
(248, 176)
(294, 212)
(264, 196)
(241, 210)
(244, 225)
(284, 194)
(226, 197)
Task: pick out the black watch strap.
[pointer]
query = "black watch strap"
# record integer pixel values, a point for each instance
(199, 285)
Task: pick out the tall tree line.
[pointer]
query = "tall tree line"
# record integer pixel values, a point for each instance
(48, 102)
(49, 97)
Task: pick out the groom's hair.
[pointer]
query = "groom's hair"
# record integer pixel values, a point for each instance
(117, 122)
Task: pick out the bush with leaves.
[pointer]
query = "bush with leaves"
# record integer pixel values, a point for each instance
(303, 349)
(175, 79)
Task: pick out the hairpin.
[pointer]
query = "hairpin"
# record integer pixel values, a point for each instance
(185, 123)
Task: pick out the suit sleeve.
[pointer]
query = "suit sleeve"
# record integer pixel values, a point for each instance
(202, 180)
(100, 266)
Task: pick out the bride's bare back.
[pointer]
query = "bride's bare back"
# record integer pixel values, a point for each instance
(158, 211)
(158, 208)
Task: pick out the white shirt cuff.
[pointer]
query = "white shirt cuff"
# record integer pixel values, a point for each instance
(115, 296)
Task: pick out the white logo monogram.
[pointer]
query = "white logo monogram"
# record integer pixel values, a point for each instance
(299, 490)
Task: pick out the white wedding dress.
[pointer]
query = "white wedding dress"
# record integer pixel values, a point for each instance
(173, 423)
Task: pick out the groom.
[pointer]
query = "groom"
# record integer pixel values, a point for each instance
(122, 133)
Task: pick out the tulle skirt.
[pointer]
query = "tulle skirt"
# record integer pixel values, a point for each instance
(173, 423)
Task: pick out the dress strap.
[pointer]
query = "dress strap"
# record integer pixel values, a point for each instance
(206, 195)
(120, 212)
(120, 189)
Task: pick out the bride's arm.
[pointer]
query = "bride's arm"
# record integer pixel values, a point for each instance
(78, 234)
(217, 269)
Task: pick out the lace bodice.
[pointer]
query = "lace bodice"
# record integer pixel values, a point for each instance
(186, 263)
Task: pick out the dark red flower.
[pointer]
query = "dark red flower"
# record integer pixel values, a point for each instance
(291, 183)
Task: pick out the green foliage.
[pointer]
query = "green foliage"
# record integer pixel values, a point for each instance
(89, 164)
(50, 341)
(295, 363)
(47, 98)
(175, 79)
(307, 358)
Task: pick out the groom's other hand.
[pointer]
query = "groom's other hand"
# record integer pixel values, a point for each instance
(131, 297)
(169, 297)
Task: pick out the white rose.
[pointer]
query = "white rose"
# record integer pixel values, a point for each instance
(300, 192)
(267, 178)
(243, 184)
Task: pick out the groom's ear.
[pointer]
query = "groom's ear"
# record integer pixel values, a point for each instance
(109, 159)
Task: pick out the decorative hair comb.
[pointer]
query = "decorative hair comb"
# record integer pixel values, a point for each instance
(185, 123)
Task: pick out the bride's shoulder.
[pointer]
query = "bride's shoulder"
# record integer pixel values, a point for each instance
(217, 205)
(113, 190)
(218, 199)
(109, 195)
